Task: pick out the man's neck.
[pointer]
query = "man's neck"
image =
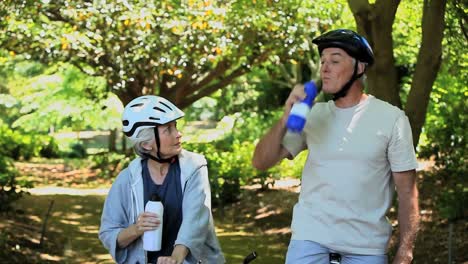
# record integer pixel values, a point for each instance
(354, 96)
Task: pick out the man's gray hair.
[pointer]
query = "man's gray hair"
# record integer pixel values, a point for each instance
(145, 135)
(363, 78)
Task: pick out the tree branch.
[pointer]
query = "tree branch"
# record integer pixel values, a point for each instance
(212, 88)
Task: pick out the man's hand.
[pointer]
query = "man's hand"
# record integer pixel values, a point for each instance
(168, 260)
(403, 256)
(408, 214)
(178, 255)
(297, 94)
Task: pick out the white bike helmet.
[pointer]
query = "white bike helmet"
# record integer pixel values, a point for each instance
(148, 111)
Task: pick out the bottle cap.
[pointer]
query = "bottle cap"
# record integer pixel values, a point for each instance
(311, 91)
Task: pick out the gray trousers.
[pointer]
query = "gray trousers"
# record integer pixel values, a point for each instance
(308, 252)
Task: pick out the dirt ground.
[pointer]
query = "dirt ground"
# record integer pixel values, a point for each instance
(258, 222)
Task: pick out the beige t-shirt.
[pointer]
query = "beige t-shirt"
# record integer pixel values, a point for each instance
(347, 186)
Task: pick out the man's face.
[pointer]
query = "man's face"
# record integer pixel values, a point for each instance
(336, 69)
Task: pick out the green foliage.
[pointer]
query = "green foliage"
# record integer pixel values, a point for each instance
(406, 34)
(255, 92)
(109, 164)
(293, 168)
(229, 168)
(250, 126)
(168, 47)
(78, 150)
(10, 188)
(444, 137)
(29, 69)
(24, 146)
(452, 203)
(203, 109)
(50, 149)
(230, 158)
(37, 98)
(61, 98)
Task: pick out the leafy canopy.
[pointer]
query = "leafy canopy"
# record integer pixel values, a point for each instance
(183, 50)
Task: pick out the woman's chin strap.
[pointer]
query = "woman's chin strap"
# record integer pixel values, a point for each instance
(158, 145)
(169, 160)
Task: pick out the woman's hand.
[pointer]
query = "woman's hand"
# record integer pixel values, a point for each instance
(147, 221)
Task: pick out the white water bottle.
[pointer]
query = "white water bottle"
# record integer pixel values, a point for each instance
(152, 239)
(297, 117)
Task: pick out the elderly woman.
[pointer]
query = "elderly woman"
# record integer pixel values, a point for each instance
(178, 176)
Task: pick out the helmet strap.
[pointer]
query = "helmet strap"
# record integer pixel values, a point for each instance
(158, 153)
(344, 90)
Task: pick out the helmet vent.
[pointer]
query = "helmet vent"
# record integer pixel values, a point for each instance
(166, 105)
(148, 112)
(159, 109)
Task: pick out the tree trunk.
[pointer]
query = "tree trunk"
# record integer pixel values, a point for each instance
(124, 143)
(112, 140)
(375, 22)
(427, 66)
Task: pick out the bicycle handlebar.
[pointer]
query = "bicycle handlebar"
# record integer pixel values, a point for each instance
(250, 257)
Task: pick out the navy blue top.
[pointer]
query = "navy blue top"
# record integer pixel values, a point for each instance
(170, 192)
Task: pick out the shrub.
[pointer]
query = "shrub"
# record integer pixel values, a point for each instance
(49, 148)
(230, 158)
(10, 189)
(23, 146)
(444, 140)
(78, 150)
(109, 164)
(229, 168)
(452, 202)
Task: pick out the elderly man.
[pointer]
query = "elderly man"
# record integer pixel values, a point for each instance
(359, 149)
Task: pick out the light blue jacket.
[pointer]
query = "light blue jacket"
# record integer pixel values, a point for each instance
(125, 202)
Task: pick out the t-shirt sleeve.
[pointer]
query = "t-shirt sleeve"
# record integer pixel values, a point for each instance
(401, 152)
(294, 143)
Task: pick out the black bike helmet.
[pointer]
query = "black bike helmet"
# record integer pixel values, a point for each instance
(351, 42)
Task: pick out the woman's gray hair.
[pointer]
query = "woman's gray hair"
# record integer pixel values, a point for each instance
(145, 135)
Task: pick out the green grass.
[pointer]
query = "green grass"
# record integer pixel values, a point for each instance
(252, 224)
(258, 222)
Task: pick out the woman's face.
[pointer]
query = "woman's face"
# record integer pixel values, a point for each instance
(170, 140)
(336, 69)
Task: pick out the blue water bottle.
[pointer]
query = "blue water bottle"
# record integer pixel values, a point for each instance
(297, 117)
